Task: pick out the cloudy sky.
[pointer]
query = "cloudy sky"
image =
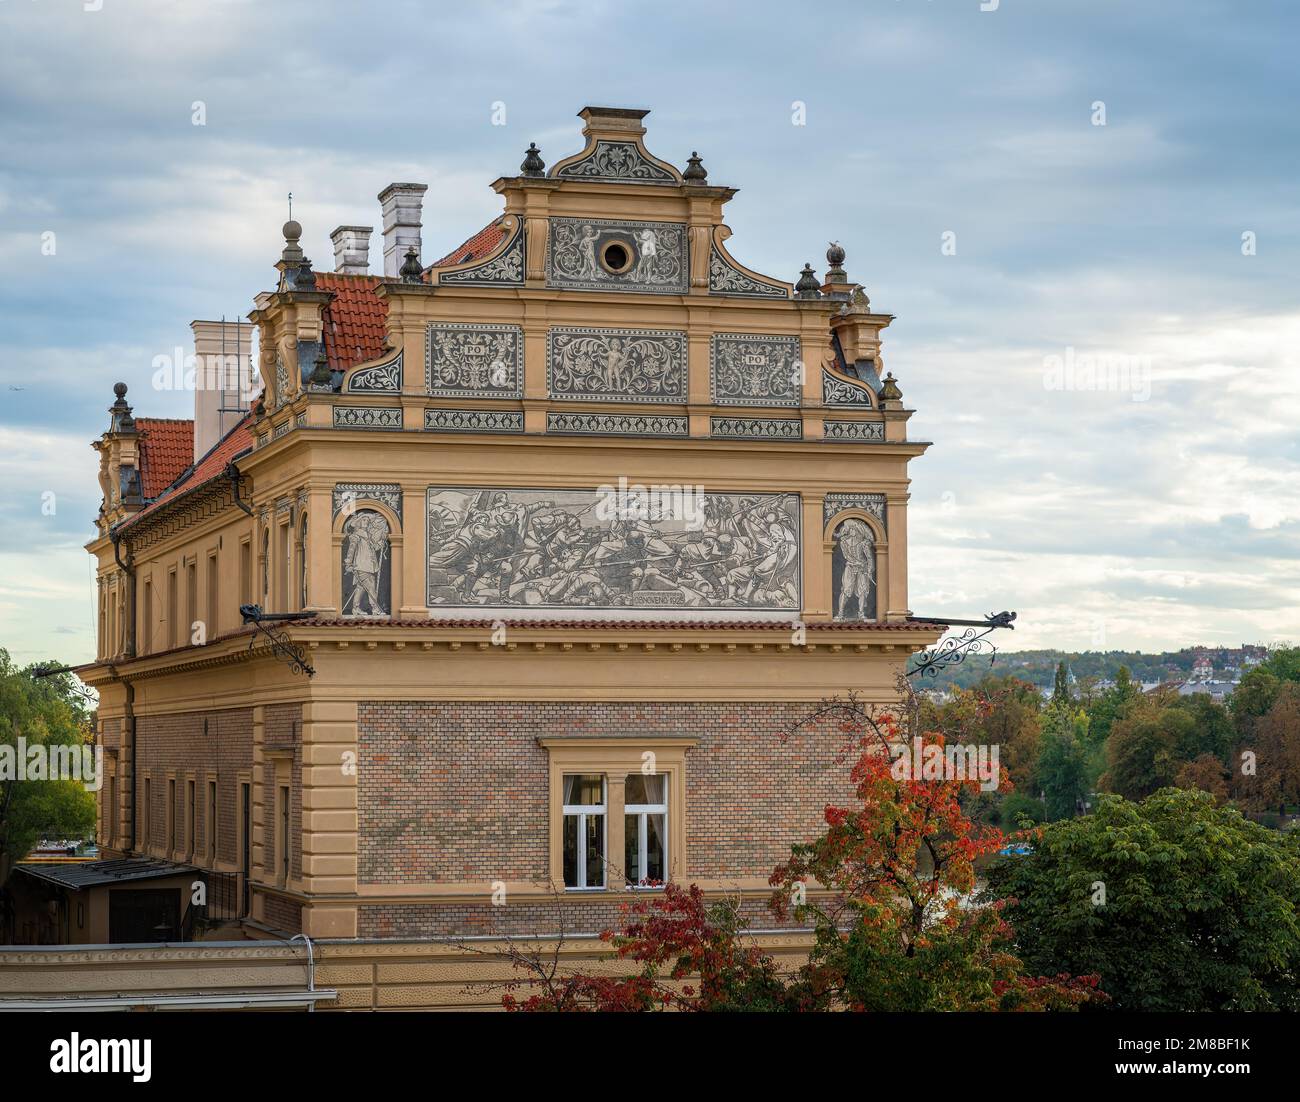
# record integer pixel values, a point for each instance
(959, 155)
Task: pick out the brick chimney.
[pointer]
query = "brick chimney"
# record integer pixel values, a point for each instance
(222, 379)
(352, 249)
(401, 206)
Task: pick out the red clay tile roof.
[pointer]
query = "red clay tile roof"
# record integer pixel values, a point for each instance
(354, 319)
(477, 247)
(209, 467)
(166, 449)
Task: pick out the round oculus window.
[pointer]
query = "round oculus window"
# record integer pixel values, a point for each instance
(616, 257)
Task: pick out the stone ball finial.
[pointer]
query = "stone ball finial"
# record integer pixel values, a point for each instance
(695, 170)
(119, 389)
(533, 164)
(835, 254)
(292, 230)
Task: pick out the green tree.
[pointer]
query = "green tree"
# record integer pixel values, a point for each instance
(1140, 754)
(1111, 705)
(41, 711)
(1064, 772)
(1252, 698)
(1061, 695)
(1200, 911)
(1210, 730)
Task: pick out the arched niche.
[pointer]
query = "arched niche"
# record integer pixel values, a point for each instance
(367, 560)
(856, 551)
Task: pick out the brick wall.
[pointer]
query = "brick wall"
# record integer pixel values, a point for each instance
(457, 791)
(217, 751)
(541, 918)
(282, 914)
(110, 734)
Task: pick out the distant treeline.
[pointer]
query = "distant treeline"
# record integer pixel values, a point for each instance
(1039, 666)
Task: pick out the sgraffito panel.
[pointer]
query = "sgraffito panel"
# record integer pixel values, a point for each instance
(653, 256)
(627, 365)
(628, 547)
(474, 361)
(755, 369)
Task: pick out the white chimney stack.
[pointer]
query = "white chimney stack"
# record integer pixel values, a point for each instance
(401, 205)
(223, 352)
(352, 249)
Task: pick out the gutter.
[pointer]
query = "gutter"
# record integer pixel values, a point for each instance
(234, 1000)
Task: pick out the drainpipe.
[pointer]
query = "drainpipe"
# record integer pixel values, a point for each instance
(128, 711)
(311, 968)
(232, 473)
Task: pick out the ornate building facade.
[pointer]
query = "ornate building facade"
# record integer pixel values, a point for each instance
(573, 525)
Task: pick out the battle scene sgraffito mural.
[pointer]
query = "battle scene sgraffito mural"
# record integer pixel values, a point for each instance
(367, 567)
(626, 547)
(853, 571)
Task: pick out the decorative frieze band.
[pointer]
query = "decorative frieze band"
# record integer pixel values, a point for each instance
(754, 369)
(867, 502)
(474, 360)
(854, 432)
(617, 424)
(472, 420)
(618, 365)
(368, 417)
(757, 428)
(347, 494)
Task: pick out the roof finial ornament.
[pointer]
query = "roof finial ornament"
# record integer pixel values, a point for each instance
(291, 206)
(411, 269)
(292, 256)
(889, 391)
(121, 418)
(533, 164)
(835, 258)
(304, 279)
(695, 170)
(321, 374)
(807, 287)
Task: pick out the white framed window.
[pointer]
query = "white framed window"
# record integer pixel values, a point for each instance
(645, 829)
(584, 831)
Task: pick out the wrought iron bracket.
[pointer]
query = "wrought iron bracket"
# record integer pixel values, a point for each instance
(955, 649)
(78, 687)
(282, 646)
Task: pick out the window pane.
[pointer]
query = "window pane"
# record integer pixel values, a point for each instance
(585, 788)
(595, 851)
(655, 857)
(644, 788)
(571, 851)
(632, 847)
